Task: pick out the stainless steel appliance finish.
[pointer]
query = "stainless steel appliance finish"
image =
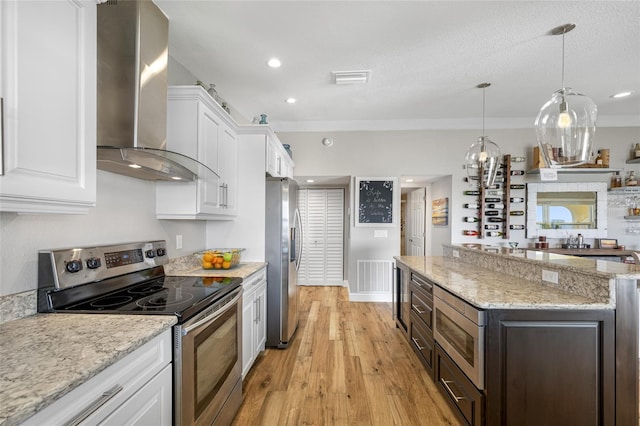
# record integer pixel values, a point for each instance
(459, 330)
(283, 250)
(133, 38)
(129, 279)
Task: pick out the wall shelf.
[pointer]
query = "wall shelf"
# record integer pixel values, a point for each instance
(577, 170)
(634, 161)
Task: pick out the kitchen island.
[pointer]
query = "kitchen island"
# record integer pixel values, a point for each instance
(563, 348)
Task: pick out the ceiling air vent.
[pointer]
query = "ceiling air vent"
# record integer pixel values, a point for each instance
(351, 77)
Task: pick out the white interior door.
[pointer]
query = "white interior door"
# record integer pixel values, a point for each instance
(416, 226)
(322, 214)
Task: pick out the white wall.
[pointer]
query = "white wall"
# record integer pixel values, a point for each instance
(124, 212)
(440, 234)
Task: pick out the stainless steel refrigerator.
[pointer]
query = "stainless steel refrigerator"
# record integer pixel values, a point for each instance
(283, 250)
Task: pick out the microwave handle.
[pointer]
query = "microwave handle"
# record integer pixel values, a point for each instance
(214, 316)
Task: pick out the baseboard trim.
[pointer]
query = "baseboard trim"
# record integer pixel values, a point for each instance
(371, 297)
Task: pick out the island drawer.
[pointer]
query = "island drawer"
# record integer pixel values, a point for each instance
(421, 341)
(422, 306)
(465, 399)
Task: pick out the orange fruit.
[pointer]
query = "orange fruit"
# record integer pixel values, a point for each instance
(219, 260)
(226, 265)
(207, 257)
(207, 265)
(217, 266)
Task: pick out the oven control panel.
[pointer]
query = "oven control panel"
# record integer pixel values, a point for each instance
(62, 268)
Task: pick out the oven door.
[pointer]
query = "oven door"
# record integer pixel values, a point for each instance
(207, 368)
(461, 338)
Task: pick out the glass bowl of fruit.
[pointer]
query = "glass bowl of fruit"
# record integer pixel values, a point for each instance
(219, 258)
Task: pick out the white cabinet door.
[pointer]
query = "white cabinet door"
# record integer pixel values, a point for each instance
(150, 406)
(48, 90)
(248, 328)
(198, 127)
(229, 171)
(279, 164)
(261, 317)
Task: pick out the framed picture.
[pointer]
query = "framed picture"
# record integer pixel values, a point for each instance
(374, 201)
(440, 212)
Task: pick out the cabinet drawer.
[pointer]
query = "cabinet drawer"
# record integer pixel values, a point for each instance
(465, 399)
(422, 343)
(423, 308)
(422, 283)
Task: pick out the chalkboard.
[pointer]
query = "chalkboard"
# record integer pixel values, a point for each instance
(374, 199)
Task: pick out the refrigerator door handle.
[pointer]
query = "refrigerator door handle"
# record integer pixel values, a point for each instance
(298, 226)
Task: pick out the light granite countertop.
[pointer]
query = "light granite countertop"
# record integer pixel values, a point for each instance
(190, 267)
(45, 356)
(486, 289)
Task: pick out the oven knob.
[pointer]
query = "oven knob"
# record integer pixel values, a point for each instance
(93, 263)
(73, 266)
(161, 251)
(150, 254)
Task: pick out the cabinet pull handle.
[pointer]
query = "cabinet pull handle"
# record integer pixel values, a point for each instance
(417, 344)
(415, 308)
(103, 399)
(445, 383)
(257, 305)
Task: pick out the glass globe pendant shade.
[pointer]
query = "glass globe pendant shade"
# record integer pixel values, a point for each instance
(483, 161)
(565, 127)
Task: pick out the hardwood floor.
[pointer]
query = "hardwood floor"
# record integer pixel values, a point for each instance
(347, 365)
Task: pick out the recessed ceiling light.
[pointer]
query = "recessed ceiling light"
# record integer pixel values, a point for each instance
(291, 100)
(310, 180)
(274, 63)
(409, 180)
(135, 166)
(621, 95)
(176, 178)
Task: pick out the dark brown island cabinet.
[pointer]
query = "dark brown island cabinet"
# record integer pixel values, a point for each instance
(542, 366)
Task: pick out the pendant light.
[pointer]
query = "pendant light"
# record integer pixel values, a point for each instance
(566, 124)
(483, 157)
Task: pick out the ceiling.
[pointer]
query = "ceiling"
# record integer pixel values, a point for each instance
(426, 59)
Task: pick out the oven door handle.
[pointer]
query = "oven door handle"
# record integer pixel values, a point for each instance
(215, 315)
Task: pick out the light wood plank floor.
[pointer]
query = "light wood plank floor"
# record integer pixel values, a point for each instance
(347, 365)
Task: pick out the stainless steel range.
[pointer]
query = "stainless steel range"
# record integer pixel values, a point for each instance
(129, 279)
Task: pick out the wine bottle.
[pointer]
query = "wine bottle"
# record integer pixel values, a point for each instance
(492, 227)
(518, 159)
(517, 172)
(517, 186)
(517, 200)
(495, 219)
(471, 192)
(499, 192)
(517, 213)
(471, 206)
(492, 200)
(494, 234)
(470, 232)
(491, 213)
(520, 227)
(470, 219)
(472, 178)
(495, 206)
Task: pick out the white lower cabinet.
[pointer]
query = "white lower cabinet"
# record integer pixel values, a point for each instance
(254, 318)
(136, 390)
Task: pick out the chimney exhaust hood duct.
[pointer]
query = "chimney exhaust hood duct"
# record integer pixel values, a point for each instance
(133, 39)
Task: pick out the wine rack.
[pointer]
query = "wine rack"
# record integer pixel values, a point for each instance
(496, 200)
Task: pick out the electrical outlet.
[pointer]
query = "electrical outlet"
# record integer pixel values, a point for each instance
(550, 276)
(178, 242)
(456, 253)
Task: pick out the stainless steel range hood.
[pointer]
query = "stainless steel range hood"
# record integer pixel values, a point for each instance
(132, 95)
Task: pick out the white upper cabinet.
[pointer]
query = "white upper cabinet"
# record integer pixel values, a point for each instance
(199, 128)
(279, 163)
(48, 90)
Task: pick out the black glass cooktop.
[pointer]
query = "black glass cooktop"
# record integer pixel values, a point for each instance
(180, 296)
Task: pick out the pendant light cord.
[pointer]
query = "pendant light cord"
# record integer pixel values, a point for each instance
(563, 33)
(483, 104)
